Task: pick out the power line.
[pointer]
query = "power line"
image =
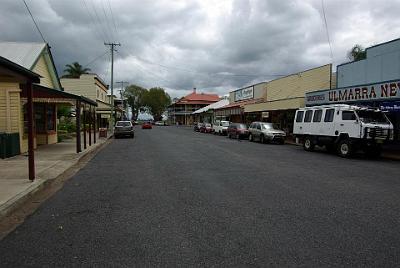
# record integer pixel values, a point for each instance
(326, 28)
(37, 27)
(112, 17)
(93, 22)
(95, 59)
(109, 28)
(99, 21)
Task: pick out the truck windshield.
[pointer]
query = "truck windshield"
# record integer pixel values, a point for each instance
(369, 116)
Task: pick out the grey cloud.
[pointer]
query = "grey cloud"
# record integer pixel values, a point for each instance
(198, 50)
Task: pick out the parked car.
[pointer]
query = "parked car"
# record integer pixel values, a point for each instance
(160, 123)
(344, 128)
(206, 128)
(123, 128)
(266, 132)
(220, 127)
(147, 125)
(237, 131)
(197, 126)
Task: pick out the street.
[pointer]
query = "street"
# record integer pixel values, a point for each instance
(174, 197)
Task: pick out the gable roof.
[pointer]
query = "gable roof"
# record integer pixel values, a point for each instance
(24, 54)
(27, 54)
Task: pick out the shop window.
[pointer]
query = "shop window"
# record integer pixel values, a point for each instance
(51, 114)
(308, 116)
(329, 113)
(299, 116)
(348, 115)
(317, 116)
(40, 120)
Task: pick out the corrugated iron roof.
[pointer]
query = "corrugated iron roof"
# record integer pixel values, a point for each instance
(21, 53)
(214, 105)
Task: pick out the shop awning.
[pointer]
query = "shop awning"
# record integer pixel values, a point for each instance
(285, 104)
(45, 94)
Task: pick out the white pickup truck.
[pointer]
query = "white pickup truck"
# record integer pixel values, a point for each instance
(344, 128)
(220, 127)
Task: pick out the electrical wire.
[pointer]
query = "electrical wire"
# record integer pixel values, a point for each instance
(93, 22)
(112, 17)
(326, 28)
(109, 28)
(33, 19)
(99, 21)
(95, 59)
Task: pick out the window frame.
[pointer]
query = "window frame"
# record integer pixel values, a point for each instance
(317, 120)
(308, 120)
(297, 116)
(332, 117)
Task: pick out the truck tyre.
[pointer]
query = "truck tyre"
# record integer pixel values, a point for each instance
(345, 148)
(308, 144)
(250, 137)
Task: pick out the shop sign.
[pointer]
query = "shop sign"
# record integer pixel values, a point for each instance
(105, 116)
(265, 114)
(244, 93)
(371, 92)
(390, 106)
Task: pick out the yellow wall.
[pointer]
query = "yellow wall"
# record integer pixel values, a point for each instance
(289, 92)
(296, 85)
(42, 69)
(86, 85)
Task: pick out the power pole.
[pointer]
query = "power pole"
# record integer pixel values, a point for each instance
(112, 45)
(121, 93)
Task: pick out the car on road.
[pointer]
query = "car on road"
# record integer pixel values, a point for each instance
(147, 125)
(197, 126)
(266, 132)
(123, 128)
(220, 127)
(237, 131)
(160, 123)
(206, 128)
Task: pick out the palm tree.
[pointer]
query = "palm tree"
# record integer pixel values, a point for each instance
(74, 70)
(357, 53)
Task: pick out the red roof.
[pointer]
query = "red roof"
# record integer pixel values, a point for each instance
(198, 98)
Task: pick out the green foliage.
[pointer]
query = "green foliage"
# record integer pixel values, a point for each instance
(134, 96)
(66, 125)
(63, 110)
(357, 53)
(74, 70)
(157, 100)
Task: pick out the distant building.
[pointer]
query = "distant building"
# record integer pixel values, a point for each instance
(181, 111)
(93, 87)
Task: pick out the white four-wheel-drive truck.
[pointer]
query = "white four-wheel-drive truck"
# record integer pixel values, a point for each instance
(220, 127)
(343, 128)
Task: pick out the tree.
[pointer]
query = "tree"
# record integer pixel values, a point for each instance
(134, 95)
(74, 70)
(157, 100)
(357, 53)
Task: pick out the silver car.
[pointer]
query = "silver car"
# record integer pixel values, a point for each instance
(123, 128)
(266, 132)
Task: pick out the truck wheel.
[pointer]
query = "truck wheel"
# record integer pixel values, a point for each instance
(250, 137)
(345, 148)
(308, 144)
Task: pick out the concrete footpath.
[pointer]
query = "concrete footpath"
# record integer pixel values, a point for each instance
(51, 161)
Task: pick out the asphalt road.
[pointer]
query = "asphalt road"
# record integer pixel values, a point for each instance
(173, 197)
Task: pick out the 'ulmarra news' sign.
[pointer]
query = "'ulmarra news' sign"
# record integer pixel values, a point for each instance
(371, 92)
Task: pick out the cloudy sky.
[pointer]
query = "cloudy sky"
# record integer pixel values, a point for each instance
(215, 46)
